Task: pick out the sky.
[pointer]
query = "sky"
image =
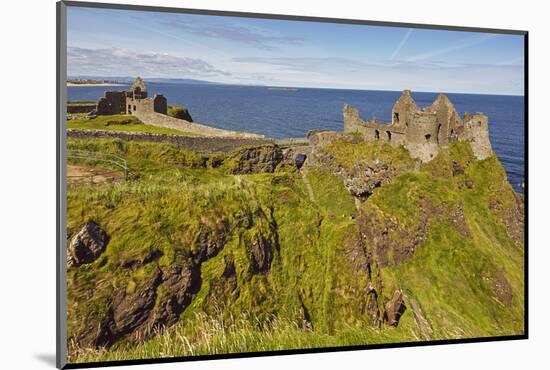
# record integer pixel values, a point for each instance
(248, 51)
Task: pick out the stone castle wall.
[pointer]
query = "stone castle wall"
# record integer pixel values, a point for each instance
(422, 131)
(199, 144)
(156, 104)
(80, 108)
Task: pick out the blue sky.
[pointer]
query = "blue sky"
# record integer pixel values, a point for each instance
(105, 42)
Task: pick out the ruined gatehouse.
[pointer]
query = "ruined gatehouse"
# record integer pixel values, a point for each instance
(423, 130)
(131, 102)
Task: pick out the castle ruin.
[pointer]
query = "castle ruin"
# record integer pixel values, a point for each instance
(131, 102)
(423, 130)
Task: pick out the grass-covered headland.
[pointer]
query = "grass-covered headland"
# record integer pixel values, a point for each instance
(203, 257)
(119, 122)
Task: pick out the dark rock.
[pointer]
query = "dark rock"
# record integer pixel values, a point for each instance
(394, 308)
(365, 178)
(181, 284)
(87, 245)
(127, 314)
(210, 240)
(299, 160)
(139, 315)
(373, 311)
(262, 253)
(257, 159)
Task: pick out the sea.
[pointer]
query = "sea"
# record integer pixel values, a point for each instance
(292, 113)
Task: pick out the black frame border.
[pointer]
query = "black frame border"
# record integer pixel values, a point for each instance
(61, 73)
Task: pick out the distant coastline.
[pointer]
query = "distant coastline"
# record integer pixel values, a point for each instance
(88, 84)
(283, 88)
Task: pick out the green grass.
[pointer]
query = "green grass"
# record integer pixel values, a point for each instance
(173, 194)
(347, 154)
(119, 122)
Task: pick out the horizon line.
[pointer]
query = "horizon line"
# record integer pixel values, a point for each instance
(303, 87)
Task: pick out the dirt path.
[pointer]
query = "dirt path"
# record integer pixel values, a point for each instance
(308, 184)
(91, 175)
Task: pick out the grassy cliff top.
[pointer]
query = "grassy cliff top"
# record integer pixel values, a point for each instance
(440, 232)
(121, 122)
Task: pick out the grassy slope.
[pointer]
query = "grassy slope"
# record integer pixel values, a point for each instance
(174, 192)
(109, 123)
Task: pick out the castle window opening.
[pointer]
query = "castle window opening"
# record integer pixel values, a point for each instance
(134, 107)
(389, 135)
(377, 134)
(427, 136)
(129, 107)
(396, 118)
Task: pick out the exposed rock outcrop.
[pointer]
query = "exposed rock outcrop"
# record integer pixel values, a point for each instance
(138, 315)
(180, 112)
(511, 214)
(87, 245)
(394, 308)
(365, 177)
(127, 313)
(146, 305)
(211, 239)
(392, 243)
(262, 253)
(264, 158)
(181, 283)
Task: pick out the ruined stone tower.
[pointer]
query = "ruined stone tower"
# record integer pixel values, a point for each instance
(130, 102)
(423, 131)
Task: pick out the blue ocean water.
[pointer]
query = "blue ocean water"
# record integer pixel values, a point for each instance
(283, 114)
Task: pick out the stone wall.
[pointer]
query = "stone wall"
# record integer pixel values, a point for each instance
(200, 144)
(476, 131)
(114, 102)
(80, 108)
(422, 131)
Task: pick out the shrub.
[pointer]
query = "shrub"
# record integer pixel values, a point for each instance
(180, 112)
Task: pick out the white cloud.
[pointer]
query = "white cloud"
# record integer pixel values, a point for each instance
(397, 75)
(235, 33)
(123, 62)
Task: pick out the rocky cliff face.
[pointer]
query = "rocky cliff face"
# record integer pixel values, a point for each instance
(363, 240)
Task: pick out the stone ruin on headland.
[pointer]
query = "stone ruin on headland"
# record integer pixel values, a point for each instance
(420, 130)
(153, 111)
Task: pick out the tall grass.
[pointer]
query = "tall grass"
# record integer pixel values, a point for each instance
(206, 334)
